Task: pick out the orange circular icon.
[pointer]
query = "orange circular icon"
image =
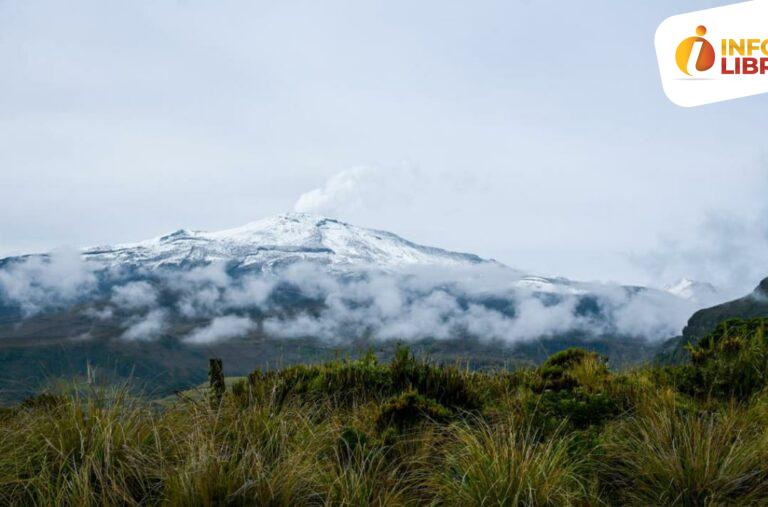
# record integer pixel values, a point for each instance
(706, 57)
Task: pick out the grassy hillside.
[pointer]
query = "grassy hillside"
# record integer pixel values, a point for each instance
(31, 358)
(705, 321)
(411, 432)
(751, 306)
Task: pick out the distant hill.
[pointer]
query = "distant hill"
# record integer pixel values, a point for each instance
(704, 321)
(301, 288)
(752, 305)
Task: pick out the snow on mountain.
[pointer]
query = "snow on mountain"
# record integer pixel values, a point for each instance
(289, 238)
(431, 292)
(551, 285)
(697, 292)
(281, 240)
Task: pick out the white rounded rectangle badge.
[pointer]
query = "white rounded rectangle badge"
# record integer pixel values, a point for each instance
(715, 54)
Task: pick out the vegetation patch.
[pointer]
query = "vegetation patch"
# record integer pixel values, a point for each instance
(729, 362)
(408, 409)
(410, 432)
(575, 388)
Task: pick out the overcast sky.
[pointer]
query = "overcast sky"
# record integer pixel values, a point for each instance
(534, 132)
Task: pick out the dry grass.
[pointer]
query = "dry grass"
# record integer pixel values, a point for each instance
(508, 464)
(668, 455)
(462, 438)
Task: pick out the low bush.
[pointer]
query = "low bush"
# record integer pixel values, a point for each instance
(343, 382)
(409, 409)
(730, 362)
(448, 385)
(353, 381)
(574, 387)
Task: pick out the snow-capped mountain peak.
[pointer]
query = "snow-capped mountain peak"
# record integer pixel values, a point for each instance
(375, 279)
(698, 292)
(278, 240)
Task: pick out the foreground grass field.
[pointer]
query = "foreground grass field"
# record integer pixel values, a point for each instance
(409, 432)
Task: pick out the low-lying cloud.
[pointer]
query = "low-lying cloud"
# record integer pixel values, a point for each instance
(134, 296)
(36, 283)
(149, 326)
(429, 304)
(221, 328)
(488, 302)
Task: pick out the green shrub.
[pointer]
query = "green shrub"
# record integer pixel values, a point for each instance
(43, 400)
(409, 409)
(447, 385)
(730, 362)
(349, 381)
(574, 387)
(342, 382)
(569, 358)
(577, 408)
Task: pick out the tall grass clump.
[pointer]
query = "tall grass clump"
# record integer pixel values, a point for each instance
(507, 464)
(365, 475)
(97, 448)
(233, 456)
(672, 455)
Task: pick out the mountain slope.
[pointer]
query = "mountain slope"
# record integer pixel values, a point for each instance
(750, 306)
(298, 288)
(705, 320)
(281, 240)
(339, 278)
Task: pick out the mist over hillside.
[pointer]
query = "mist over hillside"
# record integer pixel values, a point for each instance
(312, 276)
(300, 280)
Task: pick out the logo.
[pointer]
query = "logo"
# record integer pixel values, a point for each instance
(695, 53)
(714, 54)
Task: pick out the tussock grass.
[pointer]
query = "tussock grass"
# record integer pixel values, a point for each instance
(508, 464)
(673, 456)
(94, 449)
(355, 433)
(231, 456)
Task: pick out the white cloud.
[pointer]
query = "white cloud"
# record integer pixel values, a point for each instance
(350, 192)
(728, 250)
(411, 304)
(221, 328)
(134, 295)
(38, 282)
(105, 313)
(147, 327)
(200, 301)
(648, 313)
(443, 304)
(251, 291)
(200, 289)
